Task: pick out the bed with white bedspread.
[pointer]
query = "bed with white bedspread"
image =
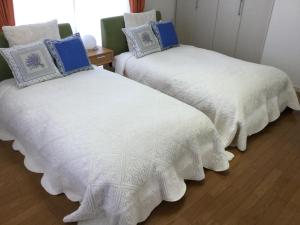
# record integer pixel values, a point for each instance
(114, 145)
(240, 97)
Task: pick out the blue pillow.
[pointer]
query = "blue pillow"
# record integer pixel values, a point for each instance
(165, 33)
(69, 54)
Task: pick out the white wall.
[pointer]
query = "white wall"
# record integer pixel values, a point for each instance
(166, 7)
(282, 48)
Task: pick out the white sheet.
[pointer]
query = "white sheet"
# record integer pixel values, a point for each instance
(241, 98)
(118, 147)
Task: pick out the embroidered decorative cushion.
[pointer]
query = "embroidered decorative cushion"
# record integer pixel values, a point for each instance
(69, 54)
(26, 34)
(143, 39)
(138, 19)
(165, 33)
(30, 64)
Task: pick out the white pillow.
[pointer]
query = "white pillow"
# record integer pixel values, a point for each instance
(26, 34)
(139, 19)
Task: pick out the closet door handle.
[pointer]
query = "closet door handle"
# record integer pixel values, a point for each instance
(241, 8)
(196, 4)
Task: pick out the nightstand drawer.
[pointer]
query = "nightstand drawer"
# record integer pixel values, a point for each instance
(101, 59)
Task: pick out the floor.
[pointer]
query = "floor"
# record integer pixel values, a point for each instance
(261, 188)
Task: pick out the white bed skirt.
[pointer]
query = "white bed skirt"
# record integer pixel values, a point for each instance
(151, 196)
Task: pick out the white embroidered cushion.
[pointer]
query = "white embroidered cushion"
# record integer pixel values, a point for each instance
(143, 39)
(30, 64)
(136, 20)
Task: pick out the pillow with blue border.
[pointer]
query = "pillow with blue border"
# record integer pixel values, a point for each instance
(69, 54)
(30, 63)
(143, 39)
(166, 34)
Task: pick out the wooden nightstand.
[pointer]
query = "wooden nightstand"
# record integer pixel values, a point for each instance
(101, 56)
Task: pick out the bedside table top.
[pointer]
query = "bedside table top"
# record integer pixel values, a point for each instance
(99, 51)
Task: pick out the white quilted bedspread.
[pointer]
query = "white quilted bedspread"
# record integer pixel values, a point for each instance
(241, 98)
(118, 147)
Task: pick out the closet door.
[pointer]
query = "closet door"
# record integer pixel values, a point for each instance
(227, 26)
(186, 22)
(256, 16)
(195, 22)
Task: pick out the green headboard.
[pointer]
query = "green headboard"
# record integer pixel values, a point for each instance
(65, 30)
(112, 35)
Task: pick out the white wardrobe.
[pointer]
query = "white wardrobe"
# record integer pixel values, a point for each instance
(236, 28)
